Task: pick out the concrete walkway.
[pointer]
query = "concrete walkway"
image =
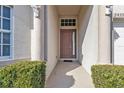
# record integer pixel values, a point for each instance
(69, 75)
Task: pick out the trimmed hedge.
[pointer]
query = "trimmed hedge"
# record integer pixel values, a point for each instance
(24, 74)
(108, 76)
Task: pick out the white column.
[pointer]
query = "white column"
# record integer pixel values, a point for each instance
(104, 36)
(36, 35)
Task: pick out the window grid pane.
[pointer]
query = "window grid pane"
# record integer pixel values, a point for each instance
(62, 24)
(6, 12)
(6, 50)
(6, 38)
(6, 24)
(62, 20)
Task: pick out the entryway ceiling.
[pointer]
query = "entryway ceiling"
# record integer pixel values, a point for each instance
(68, 10)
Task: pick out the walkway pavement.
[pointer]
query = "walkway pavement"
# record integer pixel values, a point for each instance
(69, 75)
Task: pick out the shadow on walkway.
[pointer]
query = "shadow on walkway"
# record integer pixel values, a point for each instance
(67, 75)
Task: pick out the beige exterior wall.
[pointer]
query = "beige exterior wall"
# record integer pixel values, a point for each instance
(88, 36)
(37, 33)
(53, 33)
(104, 36)
(22, 31)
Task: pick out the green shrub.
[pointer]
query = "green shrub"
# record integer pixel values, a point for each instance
(24, 74)
(108, 76)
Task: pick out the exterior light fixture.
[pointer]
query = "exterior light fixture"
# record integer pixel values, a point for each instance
(36, 10)
(108, 10)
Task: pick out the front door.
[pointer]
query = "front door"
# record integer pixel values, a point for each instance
(67, 43)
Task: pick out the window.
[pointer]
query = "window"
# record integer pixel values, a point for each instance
(5, 31)
(68, 22)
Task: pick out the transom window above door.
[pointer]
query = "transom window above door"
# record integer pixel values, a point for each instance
(5, 31)
(68, 22)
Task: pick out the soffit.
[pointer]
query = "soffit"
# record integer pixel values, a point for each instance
(68, 10)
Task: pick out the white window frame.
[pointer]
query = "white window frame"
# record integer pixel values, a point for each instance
(6, 58)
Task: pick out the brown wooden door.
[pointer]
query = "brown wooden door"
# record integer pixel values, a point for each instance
(67, 43)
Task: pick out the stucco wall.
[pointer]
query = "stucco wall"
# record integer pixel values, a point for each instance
(22, 34)
(42, 31)
(52, 28)
(88, 36)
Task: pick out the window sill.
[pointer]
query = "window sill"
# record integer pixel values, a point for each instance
(6, 58)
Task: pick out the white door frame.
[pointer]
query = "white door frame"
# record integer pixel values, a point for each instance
(69, 27)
